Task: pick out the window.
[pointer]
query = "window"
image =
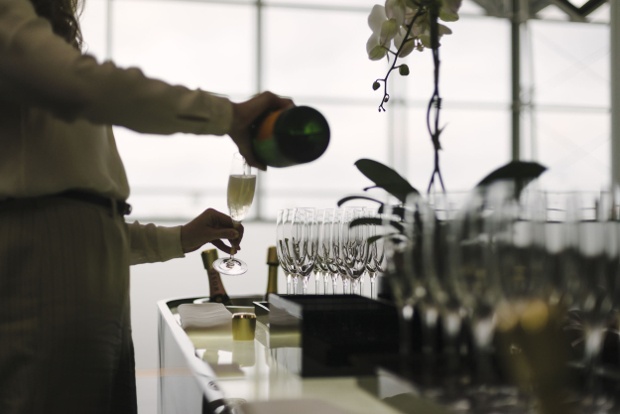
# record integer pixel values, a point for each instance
(314, 51)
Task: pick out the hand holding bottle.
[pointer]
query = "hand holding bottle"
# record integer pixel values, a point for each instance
(290, 136)
(245, 115)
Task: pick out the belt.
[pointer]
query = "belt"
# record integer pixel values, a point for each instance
(113, 205)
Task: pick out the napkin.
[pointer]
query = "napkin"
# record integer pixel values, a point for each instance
(297, 406)
(205, 316)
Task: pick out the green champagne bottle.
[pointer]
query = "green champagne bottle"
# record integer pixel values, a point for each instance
(291, 136)
(217, 292)
(272, 275)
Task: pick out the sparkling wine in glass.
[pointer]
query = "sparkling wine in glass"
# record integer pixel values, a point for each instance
(241, 186)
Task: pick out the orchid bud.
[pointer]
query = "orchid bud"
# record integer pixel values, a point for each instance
(375, 86)
(403, 70)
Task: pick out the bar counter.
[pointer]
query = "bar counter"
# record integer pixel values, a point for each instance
(206, 372)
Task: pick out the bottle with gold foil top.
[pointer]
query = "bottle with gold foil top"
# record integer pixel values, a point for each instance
(272, 278)
(291, 136)
(217, 292)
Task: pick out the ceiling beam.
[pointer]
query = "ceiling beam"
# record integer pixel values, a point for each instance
(591, 6)
(501, 8)
(569, 8)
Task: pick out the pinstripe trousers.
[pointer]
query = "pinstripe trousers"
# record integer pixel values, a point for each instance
(65, 334)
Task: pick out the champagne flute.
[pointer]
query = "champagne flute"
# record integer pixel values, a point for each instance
(331, 247)
(590, 280)
(303, 244)
(354, 247)
(282, 222)
(241, 186)
(322, 269)
(396, 245)
(376, 252)
(298, 244)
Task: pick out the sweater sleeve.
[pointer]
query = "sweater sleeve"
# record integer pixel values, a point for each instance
(151, 243)
(39, 68)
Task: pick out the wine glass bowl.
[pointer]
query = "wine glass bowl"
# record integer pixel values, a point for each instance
(325, 219)
(354, 246)
(376, 252)
(240, 194)
(589, 280)
(282, 232)
(297, 243)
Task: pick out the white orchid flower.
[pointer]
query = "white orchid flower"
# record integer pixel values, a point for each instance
(389, 29)
(425, 37)
(376, 18)
(375, 50)
(377, 45)
(449, 10)
(412, 4)
(444, 30)
(425, 40)
(409, 44)
(396, 9)
(389, 26)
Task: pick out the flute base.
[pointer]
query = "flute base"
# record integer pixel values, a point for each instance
(230, 266)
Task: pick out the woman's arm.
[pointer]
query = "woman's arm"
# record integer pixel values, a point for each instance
(39, 68)
(150, 243)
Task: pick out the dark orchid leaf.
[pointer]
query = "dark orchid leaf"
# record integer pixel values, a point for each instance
(373, 239)
(386, 178)
(521, 171)
(376, 221)
(357, 197)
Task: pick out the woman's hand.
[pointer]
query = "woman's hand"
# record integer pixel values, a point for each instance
(245, 115)
(212, 226)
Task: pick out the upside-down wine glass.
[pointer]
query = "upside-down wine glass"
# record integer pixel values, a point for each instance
(241, 186)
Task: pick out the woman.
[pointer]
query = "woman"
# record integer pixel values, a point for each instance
(65, 248)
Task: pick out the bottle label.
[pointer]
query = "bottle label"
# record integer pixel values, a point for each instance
(215, 283)
(265, 130)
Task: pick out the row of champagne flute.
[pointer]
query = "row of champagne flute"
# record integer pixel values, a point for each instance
(322, 243)
(535, 279)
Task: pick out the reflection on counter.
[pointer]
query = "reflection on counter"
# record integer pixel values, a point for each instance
(222, 372)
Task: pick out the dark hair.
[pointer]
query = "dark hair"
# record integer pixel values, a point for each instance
(63, 15)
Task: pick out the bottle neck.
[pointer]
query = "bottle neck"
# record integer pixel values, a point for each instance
(217, 292)
(272, 279)
(216, 287)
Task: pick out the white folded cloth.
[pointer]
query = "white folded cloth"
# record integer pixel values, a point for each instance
(297, 406)
(205, 316)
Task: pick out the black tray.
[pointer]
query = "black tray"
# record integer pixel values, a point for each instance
(335, 332)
